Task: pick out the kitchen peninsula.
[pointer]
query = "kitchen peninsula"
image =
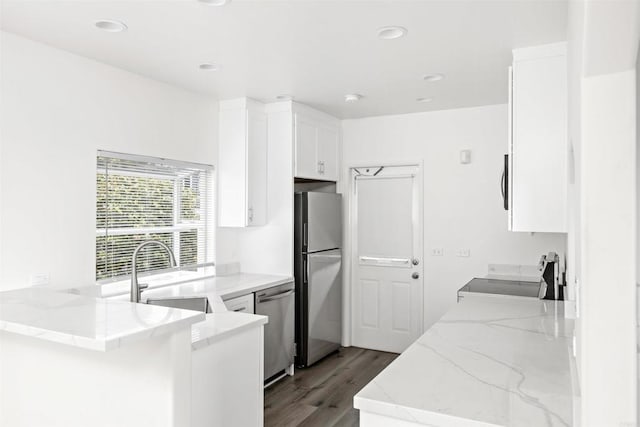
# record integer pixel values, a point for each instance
(120, 363)
(150, 364)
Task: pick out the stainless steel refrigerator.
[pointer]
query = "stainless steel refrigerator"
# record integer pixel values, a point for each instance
(318, 269)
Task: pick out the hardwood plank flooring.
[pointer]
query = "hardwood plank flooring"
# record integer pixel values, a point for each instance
(322, 395)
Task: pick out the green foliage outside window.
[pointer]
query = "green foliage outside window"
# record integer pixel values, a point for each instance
(134, 201)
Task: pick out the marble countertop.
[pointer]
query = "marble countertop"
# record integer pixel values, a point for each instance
(123, 287)
(221, 323)
(218, 324)
(226, 287)
(488, 361)
(86, 322)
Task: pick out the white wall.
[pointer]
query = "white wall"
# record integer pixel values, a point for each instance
(57, 110)
(638, 232)
(608, 282)
(603, 45)
(462, 203)
(574, 61)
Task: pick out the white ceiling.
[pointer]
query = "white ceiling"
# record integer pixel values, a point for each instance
(317, 51)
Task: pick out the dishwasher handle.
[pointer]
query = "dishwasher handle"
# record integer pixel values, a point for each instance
(276, 296)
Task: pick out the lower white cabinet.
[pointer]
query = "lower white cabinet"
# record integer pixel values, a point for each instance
(243, 304)
(227, 381)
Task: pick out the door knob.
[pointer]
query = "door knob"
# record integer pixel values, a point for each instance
(415, 275)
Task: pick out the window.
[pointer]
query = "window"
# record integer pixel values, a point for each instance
(144, 198)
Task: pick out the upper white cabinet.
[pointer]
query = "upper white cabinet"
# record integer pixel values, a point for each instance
(538, 149)
(242, 164)
(317, 144)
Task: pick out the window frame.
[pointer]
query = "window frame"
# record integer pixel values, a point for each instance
(207, 226)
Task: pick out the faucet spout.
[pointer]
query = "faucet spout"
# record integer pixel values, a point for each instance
(135, 286)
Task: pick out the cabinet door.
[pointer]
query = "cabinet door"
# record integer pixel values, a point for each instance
(227, 384)
(539, 146)
(328, 152)
(256, 213)
(232, 152)
(306, 136)
(242, 164)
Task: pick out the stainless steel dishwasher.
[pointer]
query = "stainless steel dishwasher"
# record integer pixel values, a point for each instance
(278, 303)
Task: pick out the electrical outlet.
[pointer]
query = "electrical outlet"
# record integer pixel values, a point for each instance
(39, 279)
(437, 252)
(464, 253)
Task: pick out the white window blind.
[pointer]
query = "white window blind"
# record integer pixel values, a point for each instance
(144, 198)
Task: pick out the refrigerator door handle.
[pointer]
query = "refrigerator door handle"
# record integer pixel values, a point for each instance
(504, 184)
(305, 269)
(305, 235)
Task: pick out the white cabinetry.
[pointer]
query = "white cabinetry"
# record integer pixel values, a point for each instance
(242, 164)
(227, 378)
(317, 144)
(538, 150)
(243, 304)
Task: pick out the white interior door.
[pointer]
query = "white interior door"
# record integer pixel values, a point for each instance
(387, 258)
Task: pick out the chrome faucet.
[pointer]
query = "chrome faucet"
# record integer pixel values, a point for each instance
(136, 289)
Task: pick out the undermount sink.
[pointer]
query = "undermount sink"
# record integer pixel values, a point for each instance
(186, 303)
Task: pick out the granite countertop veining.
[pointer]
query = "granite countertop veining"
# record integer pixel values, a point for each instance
(86, 322)
(488, 361)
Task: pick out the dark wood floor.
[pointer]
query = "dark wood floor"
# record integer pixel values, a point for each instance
(322, 395)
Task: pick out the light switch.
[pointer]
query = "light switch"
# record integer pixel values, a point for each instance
(465, 253)
(465, 157)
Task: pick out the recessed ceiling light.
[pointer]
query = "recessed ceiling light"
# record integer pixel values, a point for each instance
(352, 97)
(215, 2)
(392, 32)
(284, 98)
(207, 66)
(424, 100)
(111, 25)
(433, 77)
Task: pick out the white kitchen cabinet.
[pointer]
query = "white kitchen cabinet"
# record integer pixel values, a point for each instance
(243, 304)
(317, 144)
(242, 164)
(328, 146)
(538, 147)
(227, 375)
